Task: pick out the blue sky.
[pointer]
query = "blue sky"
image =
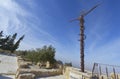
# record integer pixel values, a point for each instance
(46, 22)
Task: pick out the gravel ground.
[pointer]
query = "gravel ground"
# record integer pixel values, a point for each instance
(53, 77)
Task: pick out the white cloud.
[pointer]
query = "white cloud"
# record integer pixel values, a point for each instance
(9, 12)
(15, 18)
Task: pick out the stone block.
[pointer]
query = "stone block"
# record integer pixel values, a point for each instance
(26, 76)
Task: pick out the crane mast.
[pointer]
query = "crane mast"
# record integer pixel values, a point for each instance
(82, 35)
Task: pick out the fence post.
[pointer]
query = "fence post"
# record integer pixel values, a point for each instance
(102, 77)
(114, 72)
(100, 70)
(107, 72)
(117, 76)
(93, 69)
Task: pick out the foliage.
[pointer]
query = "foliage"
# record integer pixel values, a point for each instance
(60, 62)
(8, 42)
(16, 45)
(44, 54)
(68, 64)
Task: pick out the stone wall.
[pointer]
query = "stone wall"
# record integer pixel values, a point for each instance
(40, 72)
(74, 73)
(24, 72)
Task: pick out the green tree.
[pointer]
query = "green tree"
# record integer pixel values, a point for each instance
(8, 42)
(48, 54)
(1, 34)
(68, 64)
(5, 42)
(16, 45)
(44, 54)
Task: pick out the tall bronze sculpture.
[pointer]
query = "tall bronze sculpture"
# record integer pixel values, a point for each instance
(82, 36)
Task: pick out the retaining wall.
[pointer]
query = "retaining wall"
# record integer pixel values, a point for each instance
(37, 72)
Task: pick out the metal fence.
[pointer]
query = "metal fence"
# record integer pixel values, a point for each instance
(106, 71)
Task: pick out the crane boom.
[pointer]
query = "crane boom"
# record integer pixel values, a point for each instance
(90, 10)
(84, 14)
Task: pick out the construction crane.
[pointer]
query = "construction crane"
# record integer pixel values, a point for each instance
(82, 36)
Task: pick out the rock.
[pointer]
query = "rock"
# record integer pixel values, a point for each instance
(17, 74)
(114, 76)
(26, 76)
(48, 64)
(23, 65)
(39, 64)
